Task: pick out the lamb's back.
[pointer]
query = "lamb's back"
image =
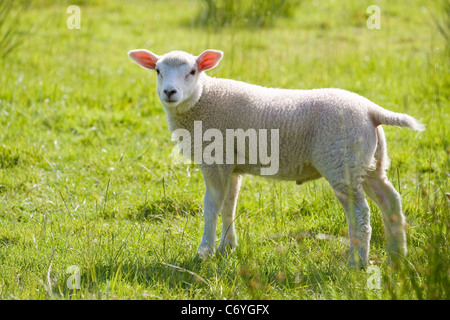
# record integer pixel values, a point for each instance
(302, 118)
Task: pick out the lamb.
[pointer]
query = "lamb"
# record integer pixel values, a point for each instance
(330, 133)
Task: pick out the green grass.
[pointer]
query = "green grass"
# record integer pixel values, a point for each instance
(85, 176)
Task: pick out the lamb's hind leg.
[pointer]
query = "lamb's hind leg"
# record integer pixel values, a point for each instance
(346, 180)
(383, 193)
(358, 219)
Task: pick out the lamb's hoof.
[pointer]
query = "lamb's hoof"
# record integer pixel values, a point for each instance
(394, 260)
(203, 253)
(225, 249)
(357, 263)
(198, 259)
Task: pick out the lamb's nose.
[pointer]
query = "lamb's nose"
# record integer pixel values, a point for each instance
(170, 92)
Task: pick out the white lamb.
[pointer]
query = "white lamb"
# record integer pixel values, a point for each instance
(328, 133)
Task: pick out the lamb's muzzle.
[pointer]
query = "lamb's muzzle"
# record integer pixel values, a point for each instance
(328, 133)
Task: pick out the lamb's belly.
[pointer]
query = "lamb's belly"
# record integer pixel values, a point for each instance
(298, 173)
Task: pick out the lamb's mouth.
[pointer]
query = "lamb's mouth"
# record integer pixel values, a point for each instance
(170, 100)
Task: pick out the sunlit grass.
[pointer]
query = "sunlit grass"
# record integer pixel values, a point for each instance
(85, 176)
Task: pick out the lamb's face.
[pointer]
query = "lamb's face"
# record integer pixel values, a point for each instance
(178, 72)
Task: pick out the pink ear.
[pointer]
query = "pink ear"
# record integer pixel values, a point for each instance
(209, 59)
(144, 58)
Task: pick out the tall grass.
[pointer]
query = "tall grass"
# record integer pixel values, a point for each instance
(442, 21)
(246, 13)
(11, 32)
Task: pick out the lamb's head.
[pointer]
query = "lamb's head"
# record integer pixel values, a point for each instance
(178, 73)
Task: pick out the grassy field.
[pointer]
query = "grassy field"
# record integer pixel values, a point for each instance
(86, 178)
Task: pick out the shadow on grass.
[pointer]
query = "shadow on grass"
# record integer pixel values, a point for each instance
(155, 280)
(161, 209)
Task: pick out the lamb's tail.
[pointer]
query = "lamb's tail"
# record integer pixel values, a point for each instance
(383, 116)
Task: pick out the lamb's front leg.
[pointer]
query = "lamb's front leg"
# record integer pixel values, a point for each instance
(228, 239)
(216, 188)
